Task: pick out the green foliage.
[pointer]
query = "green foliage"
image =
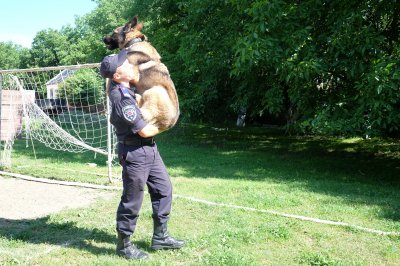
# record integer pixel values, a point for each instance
(325, 67)
(195, 39)
(10, 55)
(325, 58)
(48, 48)
(319, 260)
(83, 88)
(312, 62)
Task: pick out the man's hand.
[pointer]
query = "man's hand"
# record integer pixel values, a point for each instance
(148, 131)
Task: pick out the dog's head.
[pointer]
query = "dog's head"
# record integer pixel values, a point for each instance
(122, 35)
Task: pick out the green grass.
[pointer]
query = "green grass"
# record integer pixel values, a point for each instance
(350, 180)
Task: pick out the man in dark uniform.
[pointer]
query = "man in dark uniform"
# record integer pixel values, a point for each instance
(140, 160)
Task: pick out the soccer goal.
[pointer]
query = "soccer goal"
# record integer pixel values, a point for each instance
(65, 108)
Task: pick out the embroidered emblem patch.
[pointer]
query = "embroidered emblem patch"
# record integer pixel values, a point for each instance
(129, 112)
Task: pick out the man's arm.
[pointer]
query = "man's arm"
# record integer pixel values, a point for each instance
(148, 131)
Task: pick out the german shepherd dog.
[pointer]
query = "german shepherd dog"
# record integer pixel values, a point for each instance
(158, 102)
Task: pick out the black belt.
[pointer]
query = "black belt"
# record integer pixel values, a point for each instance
(138, 142)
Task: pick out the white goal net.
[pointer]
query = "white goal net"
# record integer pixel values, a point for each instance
(65, 108)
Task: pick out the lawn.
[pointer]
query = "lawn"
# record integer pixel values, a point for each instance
(354, 181)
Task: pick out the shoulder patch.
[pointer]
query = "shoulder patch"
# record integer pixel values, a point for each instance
(125, 92)
(129, 112)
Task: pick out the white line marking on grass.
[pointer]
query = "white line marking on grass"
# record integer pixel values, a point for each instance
(49, 250)
(57, 182)
(304, 218)
(37, 254)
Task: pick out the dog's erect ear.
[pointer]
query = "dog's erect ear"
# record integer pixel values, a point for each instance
(128, 26)
(134, 21)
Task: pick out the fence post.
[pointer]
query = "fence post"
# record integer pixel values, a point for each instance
(1, 104)
(109, 142)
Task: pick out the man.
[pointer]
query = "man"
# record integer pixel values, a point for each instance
(140, 160)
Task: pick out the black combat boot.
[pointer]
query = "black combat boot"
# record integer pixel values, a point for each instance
(161, 238)
(127, 250)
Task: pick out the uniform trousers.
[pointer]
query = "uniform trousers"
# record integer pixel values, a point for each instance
(142, 165)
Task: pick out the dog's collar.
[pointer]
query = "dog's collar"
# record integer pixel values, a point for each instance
(133, 41)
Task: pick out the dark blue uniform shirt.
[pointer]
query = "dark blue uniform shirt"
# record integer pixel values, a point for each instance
(125, 113)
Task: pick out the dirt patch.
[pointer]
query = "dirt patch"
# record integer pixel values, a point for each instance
(21, 199)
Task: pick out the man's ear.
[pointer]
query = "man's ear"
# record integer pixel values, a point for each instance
(115, 76)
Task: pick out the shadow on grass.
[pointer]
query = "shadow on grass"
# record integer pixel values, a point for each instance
(228, 152)
(43, 231)
(67, 234)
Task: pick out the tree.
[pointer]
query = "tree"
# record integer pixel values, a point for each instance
(195, 39)
(320, 59)
(49, 47)
(326, 67)
(9, 55)
(85, 85)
